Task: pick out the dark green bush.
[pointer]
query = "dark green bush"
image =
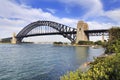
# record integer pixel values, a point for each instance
(85, 43)
(98, 42)
(57, 42)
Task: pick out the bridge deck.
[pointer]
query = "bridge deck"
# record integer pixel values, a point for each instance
(52, 33)
(90, 32)
(96, 31)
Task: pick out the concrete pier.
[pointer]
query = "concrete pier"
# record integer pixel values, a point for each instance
(103, 38)
(14, 40)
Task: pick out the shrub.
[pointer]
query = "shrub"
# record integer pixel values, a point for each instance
(85, 43)
(57, 43)
(101, 69)
(98, 42)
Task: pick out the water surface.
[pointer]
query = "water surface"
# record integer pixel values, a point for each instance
(42, 61)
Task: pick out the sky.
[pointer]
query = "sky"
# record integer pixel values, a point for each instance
(16, 14)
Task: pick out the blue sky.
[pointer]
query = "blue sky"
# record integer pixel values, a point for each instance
(99, 14)
(76, 9)
(55, 7)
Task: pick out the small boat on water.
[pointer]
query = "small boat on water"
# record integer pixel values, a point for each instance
(94, 46)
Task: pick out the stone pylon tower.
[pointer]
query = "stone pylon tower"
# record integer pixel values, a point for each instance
(14, 40)
(81, 36)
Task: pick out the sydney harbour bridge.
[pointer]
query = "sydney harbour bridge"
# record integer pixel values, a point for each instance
(42, 28)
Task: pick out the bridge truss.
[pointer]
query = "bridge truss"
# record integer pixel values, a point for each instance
(100, 32)
(41, 28)
(47, 28)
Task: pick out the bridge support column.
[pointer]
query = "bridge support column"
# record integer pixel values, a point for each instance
(81, 35)
(14, 40)
(103, 38)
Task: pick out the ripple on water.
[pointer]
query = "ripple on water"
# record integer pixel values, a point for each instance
(41, 61)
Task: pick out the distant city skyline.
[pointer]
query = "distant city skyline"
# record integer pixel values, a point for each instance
(16, 14)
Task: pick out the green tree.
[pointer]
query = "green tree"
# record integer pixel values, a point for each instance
(114, 34)
(85, 43)
(114, 40)
(58, 43)
(98, 42)
(103, 68)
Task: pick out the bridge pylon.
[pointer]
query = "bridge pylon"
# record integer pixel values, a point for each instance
(14, 40)
(103, 38)
(81, 35)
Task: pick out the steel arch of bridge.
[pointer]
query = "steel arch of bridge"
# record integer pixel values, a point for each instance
(63, 30)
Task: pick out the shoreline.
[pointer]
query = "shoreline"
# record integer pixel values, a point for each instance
(86, 65)
(76, 45)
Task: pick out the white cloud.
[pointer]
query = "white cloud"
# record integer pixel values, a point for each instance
(113, 14)
(22, 12)
(7, 27)
(25, 15)
(53, 11)
(96, 25)
(93, 7)
(14, 17)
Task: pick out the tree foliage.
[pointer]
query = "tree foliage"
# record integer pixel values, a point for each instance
(114, 34)
(58, 43)
(98, 42)
(85, 43)
(114, 40)
(103, 68)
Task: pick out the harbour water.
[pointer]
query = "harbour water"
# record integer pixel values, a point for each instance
(42, 61)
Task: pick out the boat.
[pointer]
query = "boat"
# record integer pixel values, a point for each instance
(94, 46)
